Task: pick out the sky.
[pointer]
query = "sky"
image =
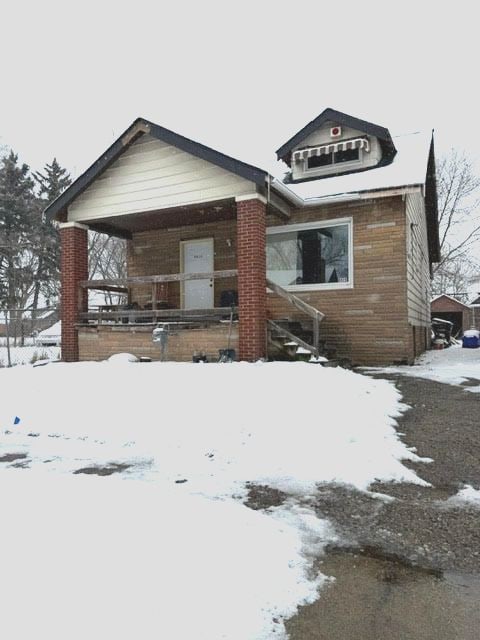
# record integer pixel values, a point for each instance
(241, 77)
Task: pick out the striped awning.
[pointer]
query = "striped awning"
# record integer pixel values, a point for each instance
(354, 143)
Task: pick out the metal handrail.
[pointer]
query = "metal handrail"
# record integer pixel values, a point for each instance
(316, 315)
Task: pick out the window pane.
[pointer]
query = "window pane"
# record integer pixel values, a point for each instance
(349, 155)
(282, 259)
(320, 161)
(313, 256)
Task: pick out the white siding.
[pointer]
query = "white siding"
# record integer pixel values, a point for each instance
(153, 175)
(418, 269)
(322, 136)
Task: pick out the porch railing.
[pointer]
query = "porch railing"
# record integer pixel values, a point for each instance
(123, 283)
(127, 314)
(316, 316)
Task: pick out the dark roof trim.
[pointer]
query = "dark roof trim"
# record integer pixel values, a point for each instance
(383, 134)
(431, 207)
(57, 209)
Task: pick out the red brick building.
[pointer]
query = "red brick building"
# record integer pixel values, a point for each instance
(447, 308)
(336, 255)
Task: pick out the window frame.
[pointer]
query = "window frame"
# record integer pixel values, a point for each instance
(318, 224)
(334, 167)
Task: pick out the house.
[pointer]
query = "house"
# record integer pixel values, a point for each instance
(50, 337)
(448, 308)
(336, 255)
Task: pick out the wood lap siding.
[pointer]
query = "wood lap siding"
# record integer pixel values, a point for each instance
(367, 323)
(418, 270)
(153, 175)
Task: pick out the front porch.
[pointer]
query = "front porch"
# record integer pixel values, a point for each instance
(204, 281)
(199, 333)
(234, 307)
(195, 225)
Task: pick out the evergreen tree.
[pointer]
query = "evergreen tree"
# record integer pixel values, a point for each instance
(51, 183)
(17, 207)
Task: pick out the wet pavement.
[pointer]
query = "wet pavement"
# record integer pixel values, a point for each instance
(378, 599)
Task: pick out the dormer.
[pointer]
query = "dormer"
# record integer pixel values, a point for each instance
(333, 144)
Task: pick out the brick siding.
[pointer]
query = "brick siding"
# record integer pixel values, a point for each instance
(251, 263)
(368, 322)
(74, 268)
(99, 343)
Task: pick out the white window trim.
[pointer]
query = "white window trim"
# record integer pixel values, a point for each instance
(326, 286)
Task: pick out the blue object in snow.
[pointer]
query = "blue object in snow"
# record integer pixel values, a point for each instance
(17, 420)
(471, 339)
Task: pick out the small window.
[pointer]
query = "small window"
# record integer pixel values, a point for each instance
(320, 161)
(349, 155)
(310, 256)
(327, 159)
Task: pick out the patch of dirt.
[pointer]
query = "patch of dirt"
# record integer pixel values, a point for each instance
(262, 497)
(470, 382)
(107, 470)
(11, 457)
(23, 464)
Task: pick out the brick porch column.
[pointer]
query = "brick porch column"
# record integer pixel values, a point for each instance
(251, 264)
(74, 268)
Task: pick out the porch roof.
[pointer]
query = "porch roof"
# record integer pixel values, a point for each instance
(58, 208)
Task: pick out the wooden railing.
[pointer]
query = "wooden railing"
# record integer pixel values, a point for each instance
(128, 314)
(316, 315)
(108, 315)
(172, 277)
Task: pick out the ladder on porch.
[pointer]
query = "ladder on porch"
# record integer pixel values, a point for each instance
(276, 328)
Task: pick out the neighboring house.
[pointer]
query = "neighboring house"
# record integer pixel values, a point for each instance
(51, 337)
(447, 308)
(345, 243)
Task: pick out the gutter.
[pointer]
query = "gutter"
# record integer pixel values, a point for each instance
(283, 190)
(297, 201)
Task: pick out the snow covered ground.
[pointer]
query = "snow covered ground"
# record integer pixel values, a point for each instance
(466, 496)
(454, 365)
(168, 548)
(28, 354)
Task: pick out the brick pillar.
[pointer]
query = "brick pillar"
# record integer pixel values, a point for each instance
(74, 268)
(251, 264)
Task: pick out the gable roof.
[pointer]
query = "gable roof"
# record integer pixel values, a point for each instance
(414, 165)
(383, 134)
(57, 209)
(445, 295)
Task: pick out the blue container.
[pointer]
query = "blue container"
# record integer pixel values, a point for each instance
(470, 342)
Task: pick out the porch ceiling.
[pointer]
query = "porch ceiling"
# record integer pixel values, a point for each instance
(125, 225)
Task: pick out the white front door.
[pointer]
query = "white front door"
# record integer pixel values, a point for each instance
(197, 257)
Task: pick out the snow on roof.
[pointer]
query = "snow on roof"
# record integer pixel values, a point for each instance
(409, 167)
(445, 295)
(54, 330)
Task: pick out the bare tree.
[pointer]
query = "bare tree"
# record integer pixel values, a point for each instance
(458, 200)
(456, 277)
(106, 259)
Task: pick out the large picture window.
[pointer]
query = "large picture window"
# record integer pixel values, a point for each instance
(311, 256)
